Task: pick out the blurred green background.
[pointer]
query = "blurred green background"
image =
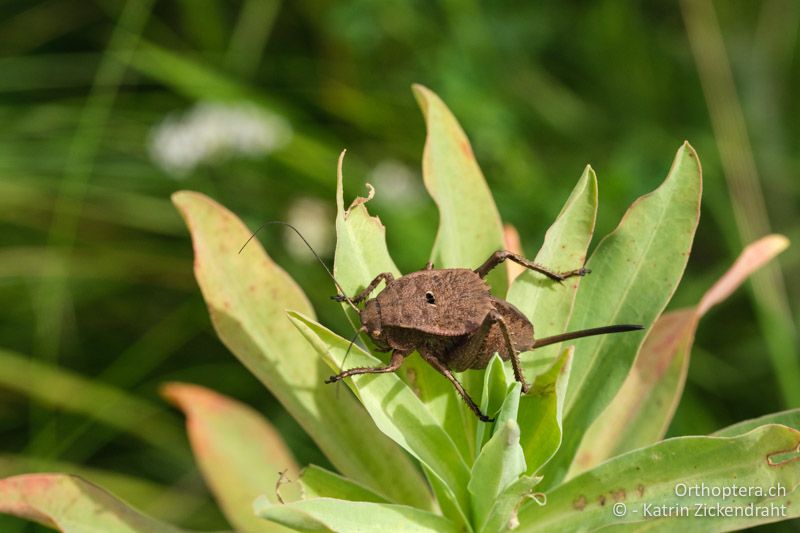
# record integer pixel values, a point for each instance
(107, 107)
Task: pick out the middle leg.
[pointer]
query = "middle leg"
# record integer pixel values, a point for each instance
(497, 318)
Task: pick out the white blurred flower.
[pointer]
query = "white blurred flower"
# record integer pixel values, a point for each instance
(213, 131)
(314, 219)
(396, 183)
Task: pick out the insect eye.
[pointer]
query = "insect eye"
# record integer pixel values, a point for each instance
(429, 298)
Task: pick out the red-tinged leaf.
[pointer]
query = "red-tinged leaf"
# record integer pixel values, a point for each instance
(641, 412)
(240, 454)
(71, 504)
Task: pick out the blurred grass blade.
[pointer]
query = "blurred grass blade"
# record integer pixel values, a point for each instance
(238, 451)
(744, 186)
(541, 411)
(546, 303)
(342, 516)
(395, 410)
(247, 296)
(361, 254)
(643, 408)
(73, 505)
(651, 476)
(318, 482)
(790, 418)
(469, 224)
(635, 270)
(160, 501)
(63, 389)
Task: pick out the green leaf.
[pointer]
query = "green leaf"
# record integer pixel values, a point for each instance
(547, 304)
(247, 296)
(503, 514)
(500, 463)
(790, 418)
(643, 408)
(469, 224)
(495, 390)
(327, 514)
(635, 270)
(470, 229)
(540, 413)
(238, 451)
(318, 482)
(361, 254)
(73, 505)
(395, 410)
(656, 475)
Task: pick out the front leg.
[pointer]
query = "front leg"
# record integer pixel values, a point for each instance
(363, 295)
(501, 255)
(394, 364)
(512, 353)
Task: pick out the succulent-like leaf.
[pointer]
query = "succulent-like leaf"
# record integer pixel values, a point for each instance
(635, 270)
(499, 465)
(328, 514)
(641, 412)
(764, 458)
(239, 453)
(546, 303)
(72, 505)
(247, 296)
(469, 224)
(318, 482)
(361, 254)
(540, 413)
(495, 390)
(395, 410)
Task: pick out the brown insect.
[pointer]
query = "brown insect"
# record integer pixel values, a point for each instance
(452, 320)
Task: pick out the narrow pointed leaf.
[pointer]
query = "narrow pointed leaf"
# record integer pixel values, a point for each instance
(240, 454)
(495, 389)
(327, 514)
(540, 413)
(548, 304)
(247, 296)
(469, 224)
(635, 270)
(395, 410)
(643, 408)
(318, 482)
(500, 463)
(361, 254)
(653, 476)
(72, 505)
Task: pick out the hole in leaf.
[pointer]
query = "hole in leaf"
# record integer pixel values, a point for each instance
(784, 456)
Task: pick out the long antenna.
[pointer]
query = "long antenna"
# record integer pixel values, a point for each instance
(538, 343)
(321, 262)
